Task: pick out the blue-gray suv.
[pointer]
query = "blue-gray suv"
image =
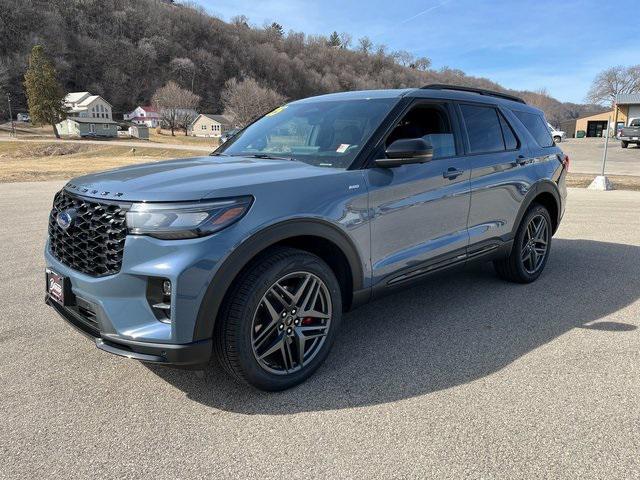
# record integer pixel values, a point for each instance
(319, 206)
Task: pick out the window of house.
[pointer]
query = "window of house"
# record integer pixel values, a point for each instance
(537, 127)
(430, 122)
(483, 129)
(203, 127)
(105, 126)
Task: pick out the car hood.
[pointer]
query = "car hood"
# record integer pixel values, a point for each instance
(190, 179)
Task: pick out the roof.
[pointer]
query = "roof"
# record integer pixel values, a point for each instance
(91, 120)
(216, 118)
(75, 97)
(144, 119)
(149, 108)
(599, 116)
(627, 98)
(442, 92)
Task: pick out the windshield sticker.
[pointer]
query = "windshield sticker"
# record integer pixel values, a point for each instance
(276, 111)
(342, 148)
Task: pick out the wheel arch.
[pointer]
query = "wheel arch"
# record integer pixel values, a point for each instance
(316, 236)
(546, 193)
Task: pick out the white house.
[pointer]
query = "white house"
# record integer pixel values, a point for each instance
(209, 125)
(85, 105)
(148, 116)
(87, 116)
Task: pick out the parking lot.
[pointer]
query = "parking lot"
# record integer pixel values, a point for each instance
(462, 376)
(586, 156)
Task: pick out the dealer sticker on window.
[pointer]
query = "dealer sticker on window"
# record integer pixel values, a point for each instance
(342, 148)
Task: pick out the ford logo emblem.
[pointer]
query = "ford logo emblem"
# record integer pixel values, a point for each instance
(65, 219)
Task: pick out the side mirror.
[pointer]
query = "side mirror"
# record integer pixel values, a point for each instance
(405, 151)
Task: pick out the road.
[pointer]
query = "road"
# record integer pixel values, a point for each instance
(464, 376)
(585, 154)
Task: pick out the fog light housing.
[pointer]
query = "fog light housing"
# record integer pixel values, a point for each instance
(166, 288)
(159, 298)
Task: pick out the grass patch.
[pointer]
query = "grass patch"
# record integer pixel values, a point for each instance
(34, 161)
(620, 182)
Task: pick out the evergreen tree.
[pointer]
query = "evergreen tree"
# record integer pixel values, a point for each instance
(334, 40)
(44, 93)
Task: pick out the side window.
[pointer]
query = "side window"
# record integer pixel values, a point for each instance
(430, 122)
(510, 140)
(537, 127)
(483, 128)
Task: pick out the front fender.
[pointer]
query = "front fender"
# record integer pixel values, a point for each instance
(248, 249)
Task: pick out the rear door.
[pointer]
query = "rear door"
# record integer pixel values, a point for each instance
(501, 173)
(420, 210)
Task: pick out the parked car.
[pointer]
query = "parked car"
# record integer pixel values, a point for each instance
(557, 135)
(228, 134)
(254, 253)
(23, 117)
(630, 134)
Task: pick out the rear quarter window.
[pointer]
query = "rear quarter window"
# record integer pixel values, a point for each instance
(537, 127)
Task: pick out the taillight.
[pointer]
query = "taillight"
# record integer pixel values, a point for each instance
(565, 162)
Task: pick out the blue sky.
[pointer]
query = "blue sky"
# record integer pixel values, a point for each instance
(523, 44)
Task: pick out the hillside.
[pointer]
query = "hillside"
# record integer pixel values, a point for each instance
(125, 50)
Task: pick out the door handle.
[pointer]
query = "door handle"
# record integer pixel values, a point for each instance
(452, 173)
(521, 160)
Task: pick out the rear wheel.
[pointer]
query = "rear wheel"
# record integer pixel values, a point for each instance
(557, 139)
(530, 249)
(280, 320)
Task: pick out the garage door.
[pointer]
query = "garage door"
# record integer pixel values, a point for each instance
(634, 112)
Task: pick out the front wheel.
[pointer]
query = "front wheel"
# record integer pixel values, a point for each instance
(530, 249)
(624, 144)
(280, 320)
(557, 139)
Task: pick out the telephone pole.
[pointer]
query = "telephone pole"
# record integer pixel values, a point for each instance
(13, 128)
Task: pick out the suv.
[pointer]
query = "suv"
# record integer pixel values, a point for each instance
(321, 205)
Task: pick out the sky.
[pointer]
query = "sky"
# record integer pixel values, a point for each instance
(560, 45)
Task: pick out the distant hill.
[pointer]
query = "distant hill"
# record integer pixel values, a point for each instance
(125, 50)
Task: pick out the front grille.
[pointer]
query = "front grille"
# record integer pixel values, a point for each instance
(94, 243)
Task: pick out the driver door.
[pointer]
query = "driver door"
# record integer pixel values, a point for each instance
(420, 210)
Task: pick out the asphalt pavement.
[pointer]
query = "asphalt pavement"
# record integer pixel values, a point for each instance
(463, 376)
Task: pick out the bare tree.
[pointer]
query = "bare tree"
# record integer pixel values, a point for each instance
(421, 63)
(245, 100)
(177, 106)
(345, 40)
(613, 81)
(365, 45)
(184, 69)
(403, 57)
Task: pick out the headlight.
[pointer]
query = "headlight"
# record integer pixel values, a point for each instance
(171, 221)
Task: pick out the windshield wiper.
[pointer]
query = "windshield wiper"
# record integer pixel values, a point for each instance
(267, 156)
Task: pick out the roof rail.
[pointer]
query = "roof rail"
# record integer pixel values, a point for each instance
(481, 91)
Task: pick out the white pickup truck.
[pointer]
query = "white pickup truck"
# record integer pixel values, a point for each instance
(558, 135)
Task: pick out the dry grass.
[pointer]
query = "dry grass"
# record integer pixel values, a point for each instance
(34, 161)
(620, 182)
(181, 139)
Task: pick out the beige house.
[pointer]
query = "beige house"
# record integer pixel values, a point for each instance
(85, 105)
(208, 125)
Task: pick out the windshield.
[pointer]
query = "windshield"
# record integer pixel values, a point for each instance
(635, 123)
(322, 133)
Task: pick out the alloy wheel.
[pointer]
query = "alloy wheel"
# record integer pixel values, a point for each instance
(535, 244)
(291, 323)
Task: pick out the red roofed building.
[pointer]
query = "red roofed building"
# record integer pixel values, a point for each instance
(144, 116)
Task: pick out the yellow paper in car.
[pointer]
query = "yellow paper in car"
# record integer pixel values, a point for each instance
(276, 111)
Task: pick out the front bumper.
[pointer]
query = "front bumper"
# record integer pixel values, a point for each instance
(196, 353)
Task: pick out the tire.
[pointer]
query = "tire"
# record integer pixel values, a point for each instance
(258, 316)
(525, 263)
(624, 144)
(557, 139)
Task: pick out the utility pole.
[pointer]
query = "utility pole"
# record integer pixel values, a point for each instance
(601, 182)
(606, 144)
(13, 128)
